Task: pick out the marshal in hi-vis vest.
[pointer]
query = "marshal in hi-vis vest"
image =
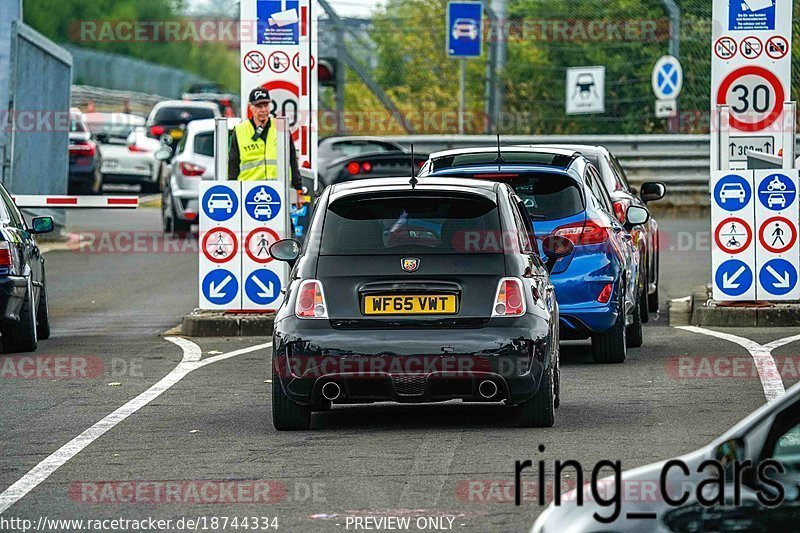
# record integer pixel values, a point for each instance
(258, 160)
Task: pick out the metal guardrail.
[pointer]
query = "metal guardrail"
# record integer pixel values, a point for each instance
(681, 161)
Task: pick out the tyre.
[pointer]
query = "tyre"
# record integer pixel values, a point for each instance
(652, 301)
(22, 336)
(610, 347)
(170, 223)
(633, 334)
(539, 411)
(287, 415)
(43, 312)
(644, 306)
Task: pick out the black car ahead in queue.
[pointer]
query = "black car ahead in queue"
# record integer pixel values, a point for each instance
(417, 294)
(24, 315)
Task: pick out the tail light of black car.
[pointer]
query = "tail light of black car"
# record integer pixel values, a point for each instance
(310, 302)
(6, 259)
(510, 298)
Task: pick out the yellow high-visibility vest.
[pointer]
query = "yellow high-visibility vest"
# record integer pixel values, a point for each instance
(258, 160)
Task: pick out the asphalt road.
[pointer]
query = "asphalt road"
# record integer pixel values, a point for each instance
(209, 427)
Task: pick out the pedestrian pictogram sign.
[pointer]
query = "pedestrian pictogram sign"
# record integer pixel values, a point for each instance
(258, 243)
(220, 245)
(733, 235)
(777, 235)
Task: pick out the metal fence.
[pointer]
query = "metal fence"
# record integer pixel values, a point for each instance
(112, 71)
(40, 80)
(518, 85)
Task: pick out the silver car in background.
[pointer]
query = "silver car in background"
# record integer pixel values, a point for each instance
(191, 163)
(128, 154)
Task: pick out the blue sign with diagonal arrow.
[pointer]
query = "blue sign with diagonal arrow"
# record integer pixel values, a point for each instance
(734, 277)
(778, 276)
(220, 286)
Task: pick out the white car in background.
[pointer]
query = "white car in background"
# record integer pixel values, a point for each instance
(128, 154)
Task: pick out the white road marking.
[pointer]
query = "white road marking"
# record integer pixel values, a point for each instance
(768, 373)
(189, 363)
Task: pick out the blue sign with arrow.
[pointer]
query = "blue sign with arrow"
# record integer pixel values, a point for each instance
(778, 276)
(220, 286)
(465, 29)
(733, 192)
(776, 192)
(734, 277)
(263, 287)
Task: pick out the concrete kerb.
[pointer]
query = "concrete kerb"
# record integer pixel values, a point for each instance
(701, 310)
(201, 323)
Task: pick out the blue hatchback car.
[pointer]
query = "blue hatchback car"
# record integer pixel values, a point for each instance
(598, 285)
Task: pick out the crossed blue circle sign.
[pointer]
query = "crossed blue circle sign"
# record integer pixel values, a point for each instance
(734, 277)
(220, 286)
(778, 277)
(776, 192)
(263, 203)
(263, 287)
(667, 78)
(220, 203)
(732, 192)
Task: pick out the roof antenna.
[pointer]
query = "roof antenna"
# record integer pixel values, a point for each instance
(413, 181)
(499, 158)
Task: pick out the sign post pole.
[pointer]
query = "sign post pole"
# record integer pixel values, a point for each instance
(789, 134)
(221, 149)
(461, 97)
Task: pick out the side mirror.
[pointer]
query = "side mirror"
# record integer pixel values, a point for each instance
(286, 250)
(555, 247)
(652, 191)
(163, 154)
(41, 225)
(636, 216)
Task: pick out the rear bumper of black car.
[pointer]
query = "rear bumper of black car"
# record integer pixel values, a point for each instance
(12, 294)
(411, 365)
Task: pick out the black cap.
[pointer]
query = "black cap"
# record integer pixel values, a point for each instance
(259, 94)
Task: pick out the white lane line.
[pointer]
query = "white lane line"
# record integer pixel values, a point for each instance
(190, 362)
(768, 373)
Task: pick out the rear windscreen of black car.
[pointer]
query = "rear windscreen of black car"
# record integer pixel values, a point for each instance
(509, 158)
(406, 224)
(181, 115)
(204, 144)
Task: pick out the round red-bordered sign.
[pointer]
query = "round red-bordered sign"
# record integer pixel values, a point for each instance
(777, 47)
(788, 243)
(774, 82)
(220, 259)
(278, 85)
(250, 253)
(254, 61)
(296, 62)
(722, 245)
(279, 62)
(751, 47)
(725, 48)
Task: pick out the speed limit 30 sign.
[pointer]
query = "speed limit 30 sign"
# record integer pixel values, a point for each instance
(750, 74)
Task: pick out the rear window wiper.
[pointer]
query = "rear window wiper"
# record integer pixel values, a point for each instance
(537, 216)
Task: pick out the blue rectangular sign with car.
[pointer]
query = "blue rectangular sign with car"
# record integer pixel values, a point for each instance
(464, 29)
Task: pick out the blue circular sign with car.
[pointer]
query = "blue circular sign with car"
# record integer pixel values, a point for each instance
(263, 203)
(732, 192)
(220, 203)
(776, 192)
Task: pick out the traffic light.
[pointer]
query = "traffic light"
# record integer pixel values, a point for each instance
(327, 72)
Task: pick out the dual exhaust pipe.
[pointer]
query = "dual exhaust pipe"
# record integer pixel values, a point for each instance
(487, 389)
